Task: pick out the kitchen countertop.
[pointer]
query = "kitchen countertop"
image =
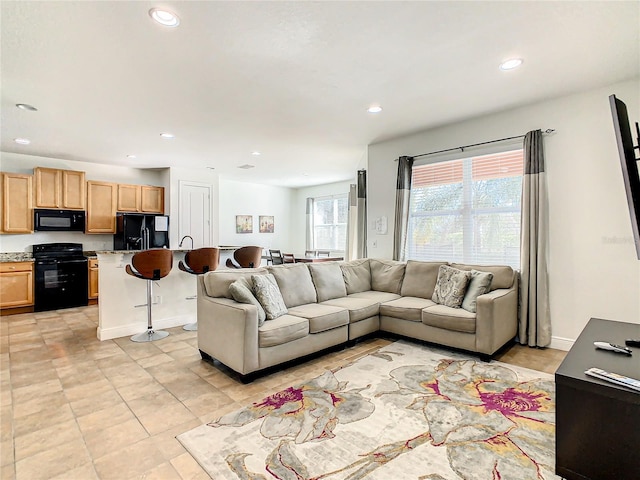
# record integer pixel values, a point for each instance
(107, 252)
(16, 257)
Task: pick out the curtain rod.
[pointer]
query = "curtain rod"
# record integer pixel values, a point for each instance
(547, 131)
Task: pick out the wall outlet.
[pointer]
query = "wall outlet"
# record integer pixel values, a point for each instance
(158, 299)
(374, 244)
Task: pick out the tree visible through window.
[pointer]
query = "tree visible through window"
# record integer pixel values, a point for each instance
(330, 215)
(467, 210)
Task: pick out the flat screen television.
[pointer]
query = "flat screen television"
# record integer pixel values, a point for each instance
(629, 163)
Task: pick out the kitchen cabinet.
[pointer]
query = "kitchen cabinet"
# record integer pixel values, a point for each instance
(140, 198)
(93, 278)
(16, 284)
(152, 199)
(128, 198)
(64, 189)
(17, 203)
(101, 207)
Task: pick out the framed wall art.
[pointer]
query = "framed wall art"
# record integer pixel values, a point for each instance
(266, 223)
(244, 223)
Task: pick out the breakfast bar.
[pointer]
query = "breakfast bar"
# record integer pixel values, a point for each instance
(122, 307)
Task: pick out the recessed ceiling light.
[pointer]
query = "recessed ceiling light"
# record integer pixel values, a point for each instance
(164, 17)
(22, 141)
(246, 166)
(511, 64)
(131, 156)
(256, 153)
(24, 106)
(167, 135)
(374, 109)
(211, 168)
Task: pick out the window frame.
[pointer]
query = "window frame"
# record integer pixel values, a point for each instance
(335, 198)
(467, 213)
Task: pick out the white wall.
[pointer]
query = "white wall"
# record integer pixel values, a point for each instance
(593, 267)
(18, 163)
(240, 198)
(299, 209)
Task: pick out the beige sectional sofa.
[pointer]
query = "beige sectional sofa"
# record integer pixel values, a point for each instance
(331, 303)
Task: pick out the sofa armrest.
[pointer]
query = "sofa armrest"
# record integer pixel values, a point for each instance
(228, 331)
(496, 319)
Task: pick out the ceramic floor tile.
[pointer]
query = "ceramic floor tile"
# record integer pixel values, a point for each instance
(129, 462)
(165, 418)
(47, 438)
(94, 403)
(59, 460)
(187, 467)
(26, 393)
(114, 437)
(106, 417)
(49, 416)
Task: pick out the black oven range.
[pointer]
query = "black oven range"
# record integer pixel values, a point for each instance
(61, 277)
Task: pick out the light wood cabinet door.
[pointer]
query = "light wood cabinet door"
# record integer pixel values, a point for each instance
(57, 188)
(48, 186)
(101, 207)
(128, 198)
(152, 199)
(16, 284)
(93, 278)
(17, 203)
(73, 190)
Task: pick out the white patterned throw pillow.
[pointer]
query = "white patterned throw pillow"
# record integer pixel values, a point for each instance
(451, 286)
(268, 294)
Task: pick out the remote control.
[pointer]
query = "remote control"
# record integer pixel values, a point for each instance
(632, 342)
(612, 347)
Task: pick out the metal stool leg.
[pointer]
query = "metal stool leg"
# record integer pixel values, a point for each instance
(150, 335)
(191, 327)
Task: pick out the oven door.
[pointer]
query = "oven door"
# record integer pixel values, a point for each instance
(60, 283)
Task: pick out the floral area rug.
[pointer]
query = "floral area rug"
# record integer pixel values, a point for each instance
(404, 412)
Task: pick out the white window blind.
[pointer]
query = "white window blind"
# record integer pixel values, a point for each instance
(330, 215)
(467, 210)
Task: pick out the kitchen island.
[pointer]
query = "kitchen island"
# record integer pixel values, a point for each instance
(122, 309)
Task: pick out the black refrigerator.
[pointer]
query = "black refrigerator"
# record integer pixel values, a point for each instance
(141, 231)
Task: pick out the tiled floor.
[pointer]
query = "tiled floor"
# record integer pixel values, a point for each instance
(72, 407)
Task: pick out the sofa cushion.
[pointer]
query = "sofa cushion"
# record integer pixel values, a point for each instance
(295, 284)
(420, 279)
(379, 297)
(282, 330)
(216, 283)
(449, 318)
(479, 284)
(451, 286)
(269, 296)
(328, 280)
(359, 308)
(321, 317)
(386, 275)
(242, 292)
(356, 275)
(502, 274)
(406, 308)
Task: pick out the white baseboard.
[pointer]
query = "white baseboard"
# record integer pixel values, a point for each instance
(560, 343)
(133, 328)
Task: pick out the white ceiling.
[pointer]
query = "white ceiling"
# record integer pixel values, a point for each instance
(292, 80)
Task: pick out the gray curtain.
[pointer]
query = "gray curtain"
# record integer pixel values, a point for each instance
(352, 223)
(535, 318)
(309, 245)
(403, 191)
(361, 235)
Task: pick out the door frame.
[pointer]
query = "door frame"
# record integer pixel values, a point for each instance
(181, 188)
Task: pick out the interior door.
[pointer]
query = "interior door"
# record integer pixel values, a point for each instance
(195, 214)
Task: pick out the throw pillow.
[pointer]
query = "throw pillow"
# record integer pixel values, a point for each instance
(242, 292)
(269, 296)
(451, 286)
(479, 284)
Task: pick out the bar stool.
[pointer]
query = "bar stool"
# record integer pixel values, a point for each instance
(199, 261)
(150, 265)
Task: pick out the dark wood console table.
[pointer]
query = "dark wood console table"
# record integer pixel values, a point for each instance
(597, 422)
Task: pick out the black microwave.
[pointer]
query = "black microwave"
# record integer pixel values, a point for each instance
(45, 220)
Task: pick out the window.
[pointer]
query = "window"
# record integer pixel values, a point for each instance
(467, 210)
(329, 219)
